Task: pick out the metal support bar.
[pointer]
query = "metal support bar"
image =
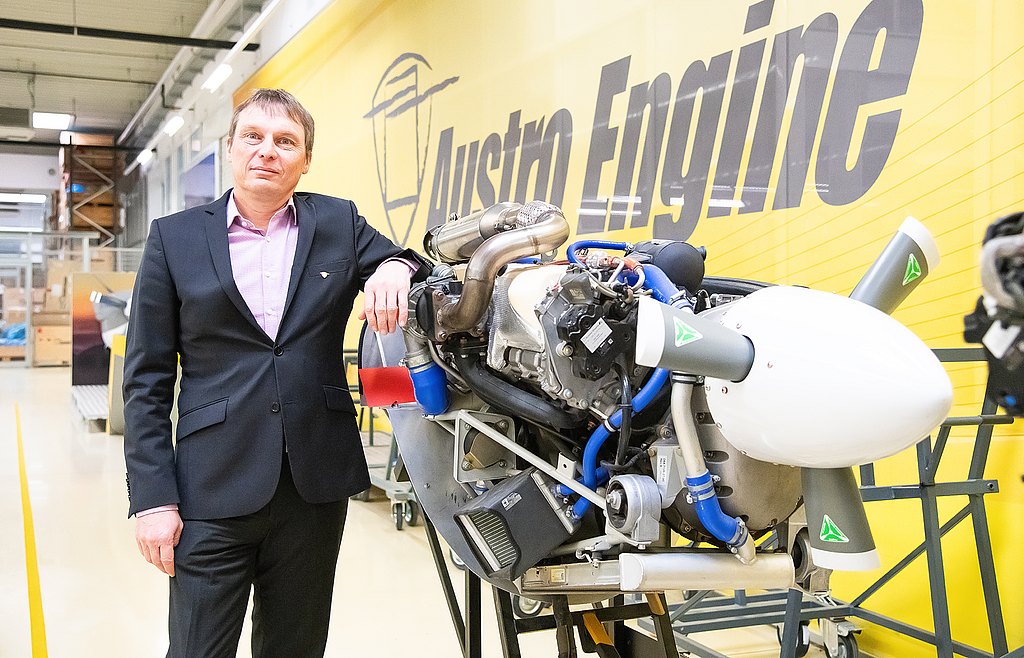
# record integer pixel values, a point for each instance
(903, 492)
(687, 605)
(910, 557)
(68, 76)
(120, 35)
(446, 582)
(472, 646)
(663, 623)
(932, 464)
(791, 625)
(919, 634)
(984, 439)
(507, 632)
(936, 570)
(541, 465)
(867, 475)
(986, 565)
(564, 630)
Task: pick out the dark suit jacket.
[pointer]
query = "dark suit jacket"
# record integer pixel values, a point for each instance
(243, 394)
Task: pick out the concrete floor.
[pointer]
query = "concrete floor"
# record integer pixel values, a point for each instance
(99, 598)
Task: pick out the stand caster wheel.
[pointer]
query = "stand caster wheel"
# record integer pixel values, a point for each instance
(411, 514)
(524, 608)
(398, 515)
(803, 639)
(847, 648)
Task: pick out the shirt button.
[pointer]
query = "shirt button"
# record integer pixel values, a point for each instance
(278, 351)
(275, 407)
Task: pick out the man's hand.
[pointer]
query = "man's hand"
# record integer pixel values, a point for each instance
(157, 534)
(386, 297)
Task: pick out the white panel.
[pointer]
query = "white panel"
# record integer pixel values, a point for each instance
(29, 172)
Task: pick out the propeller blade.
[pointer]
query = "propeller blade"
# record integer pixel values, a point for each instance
(904, 263)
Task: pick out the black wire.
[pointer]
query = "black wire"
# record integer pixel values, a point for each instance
(626, 407)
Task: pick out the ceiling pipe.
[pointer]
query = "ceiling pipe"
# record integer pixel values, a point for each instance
(68, 76)
(120, 35)
(213, 17)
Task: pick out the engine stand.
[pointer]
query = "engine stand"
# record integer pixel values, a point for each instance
(622, 642)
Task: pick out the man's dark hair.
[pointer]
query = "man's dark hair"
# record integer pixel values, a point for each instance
(277, 99)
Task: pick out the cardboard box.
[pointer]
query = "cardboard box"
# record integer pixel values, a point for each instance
(51, 346)
(13, 315)
(47, 319)
(58, 285)
(11, 352)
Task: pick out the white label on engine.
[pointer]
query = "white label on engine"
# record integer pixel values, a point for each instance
(599, 333)
(998, 338)
(508, 501)
(662, 475)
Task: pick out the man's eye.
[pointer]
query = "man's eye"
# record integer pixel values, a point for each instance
(251, 136)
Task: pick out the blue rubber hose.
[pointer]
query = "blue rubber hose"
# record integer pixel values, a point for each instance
(594, 475)
(592, 244)
(656, 281)
(709, 511)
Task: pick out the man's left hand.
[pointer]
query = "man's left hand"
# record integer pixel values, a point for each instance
(386, 297)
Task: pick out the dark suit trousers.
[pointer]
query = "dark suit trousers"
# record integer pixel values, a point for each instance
(286, 553)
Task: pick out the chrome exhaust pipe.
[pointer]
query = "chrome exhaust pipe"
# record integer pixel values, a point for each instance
(537, 228)
(659, 572)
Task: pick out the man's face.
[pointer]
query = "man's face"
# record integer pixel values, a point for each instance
(267, 153)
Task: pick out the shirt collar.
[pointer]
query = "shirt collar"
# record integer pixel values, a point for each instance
(233, 212)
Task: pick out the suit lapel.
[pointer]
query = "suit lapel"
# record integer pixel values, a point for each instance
(305, 214)
(216, 221)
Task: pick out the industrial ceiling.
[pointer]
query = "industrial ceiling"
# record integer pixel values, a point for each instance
(117, 66)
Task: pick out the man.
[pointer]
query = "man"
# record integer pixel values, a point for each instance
(252, 292)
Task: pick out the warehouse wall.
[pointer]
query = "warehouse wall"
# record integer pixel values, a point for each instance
(796, 168)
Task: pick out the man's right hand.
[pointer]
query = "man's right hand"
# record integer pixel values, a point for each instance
(157, 534)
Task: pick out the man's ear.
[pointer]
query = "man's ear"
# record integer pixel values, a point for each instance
(309, 160)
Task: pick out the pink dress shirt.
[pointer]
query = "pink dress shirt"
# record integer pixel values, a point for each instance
(262, 262)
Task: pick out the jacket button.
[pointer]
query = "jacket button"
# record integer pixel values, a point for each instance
(275, 407)
(278, 351)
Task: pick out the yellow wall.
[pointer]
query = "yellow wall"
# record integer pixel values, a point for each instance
(955, 164)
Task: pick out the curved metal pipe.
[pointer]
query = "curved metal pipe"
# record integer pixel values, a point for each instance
(542, 227)
(730, 530)
(455, 241)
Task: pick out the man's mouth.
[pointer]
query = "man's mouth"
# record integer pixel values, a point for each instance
(264, 170)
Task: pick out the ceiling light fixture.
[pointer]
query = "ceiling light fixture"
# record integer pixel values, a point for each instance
(223, 71)
(217, 78)
(51, 121)
(173, 125)
(144, 157)
(7, 197)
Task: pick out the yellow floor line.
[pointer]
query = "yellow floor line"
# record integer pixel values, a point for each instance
(35, 600)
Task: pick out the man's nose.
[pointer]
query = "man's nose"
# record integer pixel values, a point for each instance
(267, 149)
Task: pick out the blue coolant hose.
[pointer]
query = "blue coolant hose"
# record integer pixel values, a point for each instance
(592, 244)
(592, 474)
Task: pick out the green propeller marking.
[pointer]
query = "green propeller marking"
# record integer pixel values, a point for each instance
(831, 532)
(913, 270)
(685, 333)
